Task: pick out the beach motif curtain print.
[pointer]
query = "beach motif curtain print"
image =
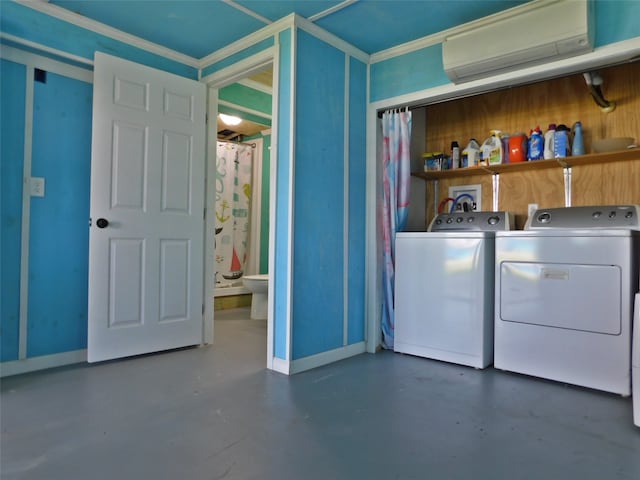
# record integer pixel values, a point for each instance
(233, 201)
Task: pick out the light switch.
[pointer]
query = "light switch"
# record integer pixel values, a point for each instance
(37, 186)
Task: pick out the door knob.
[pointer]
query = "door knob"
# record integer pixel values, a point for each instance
(102, 223)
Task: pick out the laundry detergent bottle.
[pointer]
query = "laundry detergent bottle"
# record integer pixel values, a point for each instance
(492, 149)
(548, 141)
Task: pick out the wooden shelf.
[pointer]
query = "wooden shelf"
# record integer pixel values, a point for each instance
(592, 158)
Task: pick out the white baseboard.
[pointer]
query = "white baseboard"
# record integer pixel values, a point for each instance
(32, 364)
(281, 366)
(324, 358)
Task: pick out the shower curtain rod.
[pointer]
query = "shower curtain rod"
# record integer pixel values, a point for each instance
(252, 145)
(399, 109)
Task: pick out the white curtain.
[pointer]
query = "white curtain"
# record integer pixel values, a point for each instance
(234, 165)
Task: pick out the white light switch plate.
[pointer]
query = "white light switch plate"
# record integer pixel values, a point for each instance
(37, 186)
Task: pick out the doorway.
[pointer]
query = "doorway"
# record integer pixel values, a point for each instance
(260, 65)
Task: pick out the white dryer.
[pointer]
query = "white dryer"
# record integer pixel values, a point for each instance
(564, 296)
(635, 352)
(444, 281)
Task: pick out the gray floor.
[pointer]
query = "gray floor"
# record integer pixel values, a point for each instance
(215, 412)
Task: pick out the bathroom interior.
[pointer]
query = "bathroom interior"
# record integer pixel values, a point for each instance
(242, 194)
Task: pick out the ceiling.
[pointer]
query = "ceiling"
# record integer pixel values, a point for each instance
(199, 27)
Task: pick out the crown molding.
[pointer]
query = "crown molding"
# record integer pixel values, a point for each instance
(101, 28)
(319, 32)
(248, 41)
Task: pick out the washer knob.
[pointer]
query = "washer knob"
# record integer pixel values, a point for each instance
(596, 214)
(494, 220)
(544, 217)
(459, 220)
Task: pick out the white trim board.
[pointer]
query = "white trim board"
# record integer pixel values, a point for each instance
(44, 48)
(273, 169)
(324, 358)
(235, 106)
(345, 203)
(43, 63)
(16, 367)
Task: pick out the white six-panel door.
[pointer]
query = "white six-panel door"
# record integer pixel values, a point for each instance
(146, 255)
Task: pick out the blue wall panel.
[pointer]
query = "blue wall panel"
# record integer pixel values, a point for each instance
(317, 324)
(408, 73)
(12, 98)
(37, 27)
(59, 233)
(283, 165)
(357, 199)
(616, 21)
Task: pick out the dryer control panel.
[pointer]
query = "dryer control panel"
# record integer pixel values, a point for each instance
(599, 216)
(472, 221)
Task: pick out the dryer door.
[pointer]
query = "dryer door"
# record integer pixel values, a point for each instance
(576, 297)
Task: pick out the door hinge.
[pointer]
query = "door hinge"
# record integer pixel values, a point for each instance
(203, 309)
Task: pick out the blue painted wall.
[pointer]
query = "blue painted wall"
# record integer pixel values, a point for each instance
(12, 98)
(357, 200)
(408, 73)
(59, 232)
(318, 277)
(616, 21)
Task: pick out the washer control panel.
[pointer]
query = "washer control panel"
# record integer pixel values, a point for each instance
(599, 216)
(471, 221)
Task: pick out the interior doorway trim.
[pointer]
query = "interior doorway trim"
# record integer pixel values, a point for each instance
(214, 82)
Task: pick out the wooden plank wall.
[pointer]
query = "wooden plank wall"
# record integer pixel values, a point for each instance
(563, 100)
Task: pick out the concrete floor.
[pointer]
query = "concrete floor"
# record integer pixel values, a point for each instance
(216, 413)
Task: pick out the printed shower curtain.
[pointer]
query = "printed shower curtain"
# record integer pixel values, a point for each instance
(396, 131)
(234, 166)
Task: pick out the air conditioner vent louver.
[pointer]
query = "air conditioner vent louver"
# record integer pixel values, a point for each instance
(550, 31)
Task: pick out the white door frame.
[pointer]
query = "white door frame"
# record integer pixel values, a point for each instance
(214, 82)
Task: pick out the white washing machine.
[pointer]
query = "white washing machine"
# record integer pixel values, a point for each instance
(444, 281)
(564, 296)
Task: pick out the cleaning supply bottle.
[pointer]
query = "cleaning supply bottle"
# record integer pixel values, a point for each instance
(492, 149)
(536, 145)
(518, 147)
(561, 142)
(471, 154)
(455, 155)
(548, 141)
(505, 148)
(578, 141)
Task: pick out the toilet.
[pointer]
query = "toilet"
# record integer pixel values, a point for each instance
(259, 286)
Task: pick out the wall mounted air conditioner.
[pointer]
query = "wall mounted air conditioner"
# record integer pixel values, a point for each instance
(542, 32)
